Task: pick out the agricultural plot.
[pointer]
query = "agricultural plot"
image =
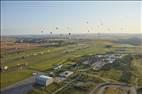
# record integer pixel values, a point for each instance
(42, 59)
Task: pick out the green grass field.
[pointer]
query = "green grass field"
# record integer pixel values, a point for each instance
(137, 72)
(49, 57)
(9, 78)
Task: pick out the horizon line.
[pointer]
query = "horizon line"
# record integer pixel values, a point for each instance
(68, 33)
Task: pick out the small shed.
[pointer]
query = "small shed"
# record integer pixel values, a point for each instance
(43, 80)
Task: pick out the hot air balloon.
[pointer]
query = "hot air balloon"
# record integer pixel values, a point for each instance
(57, 28)
(50, 33)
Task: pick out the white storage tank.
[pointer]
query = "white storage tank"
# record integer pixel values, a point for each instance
(43, 80)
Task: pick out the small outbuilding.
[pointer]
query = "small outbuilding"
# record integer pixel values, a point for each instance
(43, 80)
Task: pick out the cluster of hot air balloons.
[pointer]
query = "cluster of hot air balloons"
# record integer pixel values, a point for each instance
(89, 28)
(57, 28)
(100, 25)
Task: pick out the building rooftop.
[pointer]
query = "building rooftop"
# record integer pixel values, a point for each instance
(66, 73)
(44, 77)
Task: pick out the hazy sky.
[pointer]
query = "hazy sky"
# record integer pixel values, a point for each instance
(32, 17)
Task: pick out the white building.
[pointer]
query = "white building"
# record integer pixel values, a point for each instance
(43, 80)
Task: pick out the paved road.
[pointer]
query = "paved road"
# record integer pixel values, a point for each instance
(103, 89)
(97, 88)
(133, 90)
(21, 87)
(100, 89)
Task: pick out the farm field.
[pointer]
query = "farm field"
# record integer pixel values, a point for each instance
(88, 80)
(12, 46)
(44, 62)
(43, 59)
(91, 78)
